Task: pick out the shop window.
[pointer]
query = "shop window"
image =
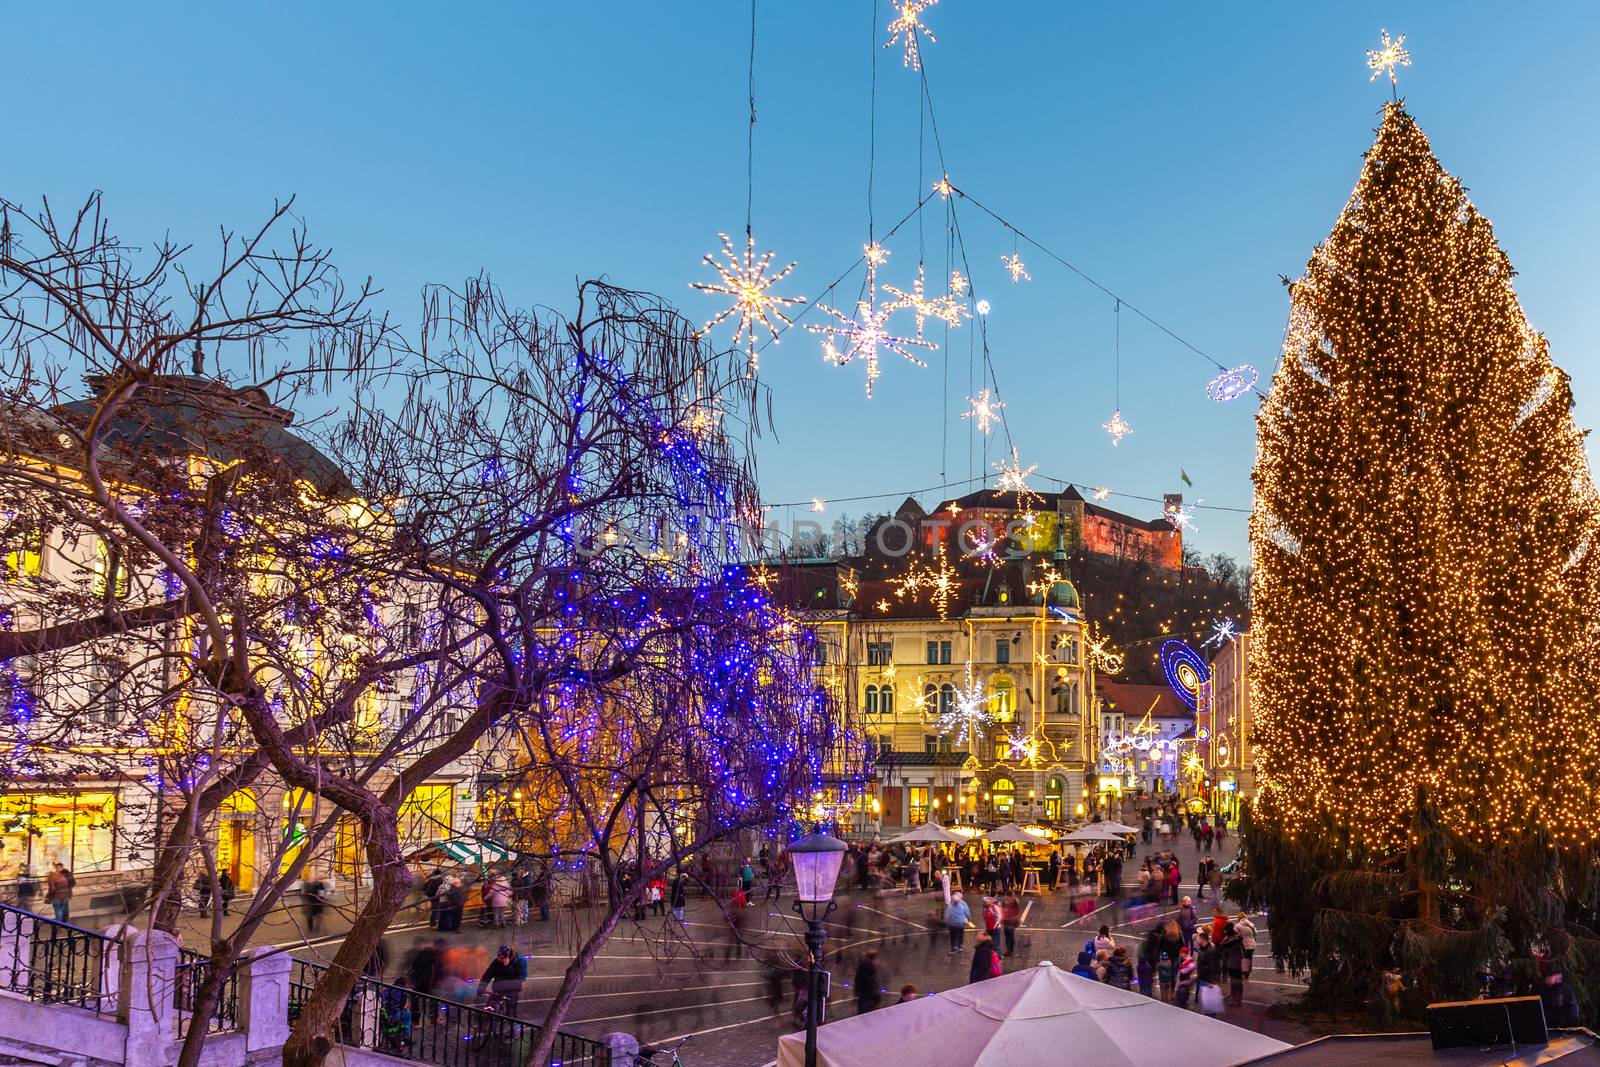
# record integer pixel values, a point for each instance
(349, 855)
(23, 543)
(919, 805)
(110, 571)
(426, 815)
(76, 829)
(1004, 792)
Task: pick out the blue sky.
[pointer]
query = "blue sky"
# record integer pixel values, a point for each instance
(1185, 155)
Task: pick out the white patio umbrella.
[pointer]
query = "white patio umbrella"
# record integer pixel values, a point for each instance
(1010, 832)
(928, 831)
(1029, 1018)
(1093, 832)
(1116, 827)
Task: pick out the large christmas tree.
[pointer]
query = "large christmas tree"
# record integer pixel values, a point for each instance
(1423, 645)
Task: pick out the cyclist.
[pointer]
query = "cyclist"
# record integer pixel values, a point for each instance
(502, 981)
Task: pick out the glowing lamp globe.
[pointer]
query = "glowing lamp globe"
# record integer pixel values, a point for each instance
(817, 859)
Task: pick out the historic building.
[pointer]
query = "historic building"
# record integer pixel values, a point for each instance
(104, 746)
(1228, 750)
(974, 668)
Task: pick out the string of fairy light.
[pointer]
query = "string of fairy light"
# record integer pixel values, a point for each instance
(863, 330)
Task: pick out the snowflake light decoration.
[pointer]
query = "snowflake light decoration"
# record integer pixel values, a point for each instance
(945, 308)
(1118, 427)
(985, 410)
(905, 27)
(746, 280)
(1222, 631)
(943, 187)
(1181, 516)
(863, 337)
(818, 504)
(959, 286)
(874, 254)
(1385, 59)
(1019, 273)
(940, 580)
(1014, 477)
(968, 711)
(1101, 654)
(1102, 493)
(1232, 383)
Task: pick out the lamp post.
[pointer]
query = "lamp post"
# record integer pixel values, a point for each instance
(817, 858)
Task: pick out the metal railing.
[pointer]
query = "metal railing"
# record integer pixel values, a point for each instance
(433, 1030)
(187, 978)
(65, 963)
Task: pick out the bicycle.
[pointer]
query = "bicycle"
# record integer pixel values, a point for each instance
(646, 1056)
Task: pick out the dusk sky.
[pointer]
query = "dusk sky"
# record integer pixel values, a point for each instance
(1183, 155)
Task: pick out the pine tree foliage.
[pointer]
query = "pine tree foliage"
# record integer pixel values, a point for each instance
(1422, 653)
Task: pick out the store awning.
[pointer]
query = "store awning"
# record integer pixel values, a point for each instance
(467, 851)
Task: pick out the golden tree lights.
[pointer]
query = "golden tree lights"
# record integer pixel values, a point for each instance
(1420, 595)
(746, 280)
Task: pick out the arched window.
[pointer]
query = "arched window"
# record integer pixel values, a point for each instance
(871, 707)
(1005, 796)
(1055, 799)
(930, 699)
(1003, 700)
(886, 700)
(947, 699)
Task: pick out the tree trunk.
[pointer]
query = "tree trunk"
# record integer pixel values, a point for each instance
(316, 1030)
(576, 971)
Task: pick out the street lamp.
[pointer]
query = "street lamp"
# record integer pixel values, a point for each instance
(817, 858)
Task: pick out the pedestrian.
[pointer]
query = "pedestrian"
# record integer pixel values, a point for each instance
(521, 893)
(1231, 951)
(455, 903)
(1010, 919)
(869, 993)
(747, 877)
(908, 993)
(1207, 973)
(202, 892)
(1247, 938)
(430, 890)
(541, 892)
(1169, 951)
(1085, 967)
(1119, 969)
(1560, 1003)
(58, 886)
(1222, 831)
(679, 896)
(1214, 876)
(1201, 871)
(1187, 921)
(497, 897)
(225, 890)
(313, 895)
(1146, 974)
(424, 965)
(1194, 830)
(985, 961)
(914, 876)
(956, 914)
(1185, 987)
(1103, 941)
(1174, 877)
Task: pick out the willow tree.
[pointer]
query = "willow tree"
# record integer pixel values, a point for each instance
(1422, 648)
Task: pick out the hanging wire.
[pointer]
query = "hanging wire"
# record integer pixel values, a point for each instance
(750, 136)
(1117, 346)
(872, 116)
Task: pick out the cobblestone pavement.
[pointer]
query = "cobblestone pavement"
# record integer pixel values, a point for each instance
(661, 983)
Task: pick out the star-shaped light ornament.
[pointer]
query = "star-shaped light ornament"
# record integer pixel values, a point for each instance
(863, 336)
(970, 710)
(1102, 493)
(905, 27)
(985, 410)
(943, 187)
(1181, 516)
(1222, 631)
(745, 278)
(946, 308)
(1118, 427)
(959, 286)
(1383, 60)
(1014, 477)
(1014, 264)
(818, 504)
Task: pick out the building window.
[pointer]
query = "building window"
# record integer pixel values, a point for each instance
(23, 545)
(947, 700)
(1003, 700)
(935, 743)
(1066, 698)
(1054, 799)
(933, 652)
(944, 652)
(110, 571)
(105, 697)
(819, 654)
(880, 653)
(870, 704)
(77, 830)
(427, 814)
(919, 805)
(1002, 650)
(886, 700)
(1004, 792)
